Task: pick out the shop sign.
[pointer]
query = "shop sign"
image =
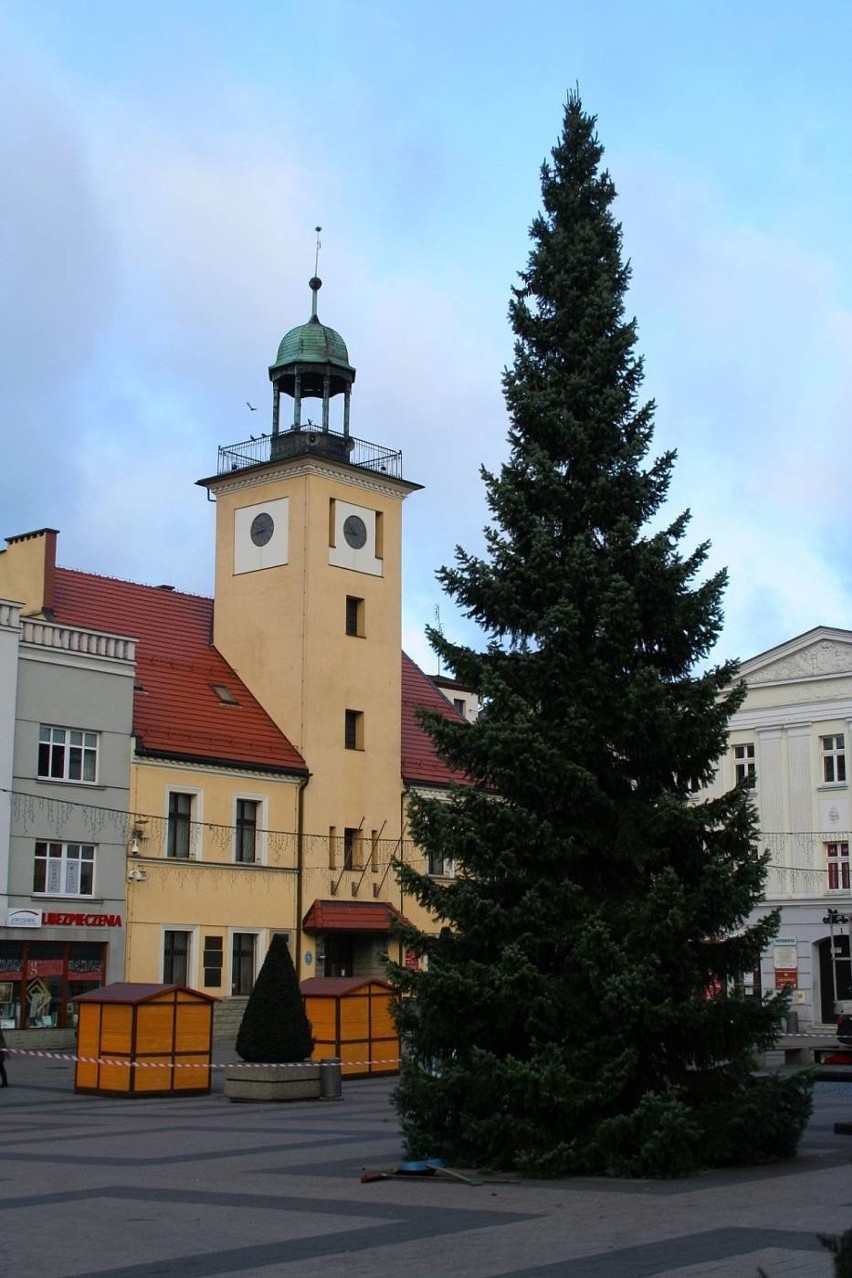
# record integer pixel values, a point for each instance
(412, 962)
(85, 970)
(786, 955)
(786, 978)
(81, 920)
(44, 967)
(23, 918)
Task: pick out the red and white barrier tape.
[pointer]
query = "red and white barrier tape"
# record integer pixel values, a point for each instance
(134, 1064)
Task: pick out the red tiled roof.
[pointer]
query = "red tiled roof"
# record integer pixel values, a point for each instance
(351, 916)
(420, 762)
(176, 712)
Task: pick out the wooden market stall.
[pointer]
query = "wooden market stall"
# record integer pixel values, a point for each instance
(352, 1018)
(142, 1040)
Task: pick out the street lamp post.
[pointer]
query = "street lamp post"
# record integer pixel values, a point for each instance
(831, 918)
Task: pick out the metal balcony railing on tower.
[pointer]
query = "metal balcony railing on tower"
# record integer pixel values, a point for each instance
(307, 441)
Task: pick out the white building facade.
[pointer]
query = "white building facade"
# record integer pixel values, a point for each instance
(793, 734)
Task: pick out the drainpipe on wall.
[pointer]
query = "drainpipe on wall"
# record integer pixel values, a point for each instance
(300, 867)
(400, 956)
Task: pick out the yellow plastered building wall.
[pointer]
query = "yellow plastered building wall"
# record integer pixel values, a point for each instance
(312, 624)
(209, 895)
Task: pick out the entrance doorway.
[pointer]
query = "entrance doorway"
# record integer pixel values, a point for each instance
(835, 974)
(339, 954)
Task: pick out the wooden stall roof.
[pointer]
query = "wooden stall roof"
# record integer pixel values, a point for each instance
(336, 986)
(136, 992)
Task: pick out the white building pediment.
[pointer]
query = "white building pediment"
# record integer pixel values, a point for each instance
(819, 653)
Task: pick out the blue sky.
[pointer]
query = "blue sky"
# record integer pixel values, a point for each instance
(165, 164)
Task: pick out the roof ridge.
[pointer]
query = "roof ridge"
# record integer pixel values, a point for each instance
(140, 585)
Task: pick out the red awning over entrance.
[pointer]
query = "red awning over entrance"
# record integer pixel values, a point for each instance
(351, 916)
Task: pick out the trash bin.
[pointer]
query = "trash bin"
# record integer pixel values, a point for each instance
(330, 1079)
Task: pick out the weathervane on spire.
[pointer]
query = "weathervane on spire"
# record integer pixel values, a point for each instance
(315, 284)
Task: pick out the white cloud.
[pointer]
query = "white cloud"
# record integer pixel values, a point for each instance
(747, 346)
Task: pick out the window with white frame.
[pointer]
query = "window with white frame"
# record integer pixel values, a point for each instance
(833, 758)
(67, 754)
(744, 765)
(176, 957)
(246, 847)
(181, 814)
(242, 962)
(441, 866)
(837, 861)
(64, 869)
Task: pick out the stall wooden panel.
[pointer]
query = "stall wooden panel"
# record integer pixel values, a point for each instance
(352, 1018)
(146, 1040)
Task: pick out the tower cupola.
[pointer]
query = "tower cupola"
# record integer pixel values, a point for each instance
(312, 363)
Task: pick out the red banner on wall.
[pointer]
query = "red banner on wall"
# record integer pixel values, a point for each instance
(786, 977)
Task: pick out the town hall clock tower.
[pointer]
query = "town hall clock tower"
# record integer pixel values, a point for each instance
(308, 603)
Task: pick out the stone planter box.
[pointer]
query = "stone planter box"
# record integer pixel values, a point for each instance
(272, 1082)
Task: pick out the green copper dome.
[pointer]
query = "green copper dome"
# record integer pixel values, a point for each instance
(312, 343)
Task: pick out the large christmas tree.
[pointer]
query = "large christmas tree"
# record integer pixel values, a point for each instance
(581, 1010)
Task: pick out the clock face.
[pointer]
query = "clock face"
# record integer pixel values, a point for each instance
(262, 528)
(355, 531)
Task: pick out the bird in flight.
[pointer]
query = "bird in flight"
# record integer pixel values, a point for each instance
(250, 407)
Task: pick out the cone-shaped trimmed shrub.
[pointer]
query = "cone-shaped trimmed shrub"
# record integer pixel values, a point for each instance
(275, 1027)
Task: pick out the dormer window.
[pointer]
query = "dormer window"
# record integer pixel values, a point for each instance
(224, 694)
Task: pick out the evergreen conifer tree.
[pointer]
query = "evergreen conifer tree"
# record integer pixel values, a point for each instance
(581, 1010)
(275, 1028)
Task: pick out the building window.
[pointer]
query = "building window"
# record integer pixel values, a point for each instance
(837, 860)
(744, 761)
(176, 958)
(460, 706)
(353, 730)
(67, 754)
(441, 866)
(351, 849)
(833, 758)
(64, 869)
(180, 825)
(242, 962)
(246, 829)
(354, 616)
(212, 962)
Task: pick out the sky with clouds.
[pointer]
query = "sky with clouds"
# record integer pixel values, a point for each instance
(165, 164)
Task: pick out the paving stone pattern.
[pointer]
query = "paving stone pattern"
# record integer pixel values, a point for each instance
(195, 1187)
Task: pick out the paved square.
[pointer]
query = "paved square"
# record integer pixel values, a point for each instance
(191, 1187)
